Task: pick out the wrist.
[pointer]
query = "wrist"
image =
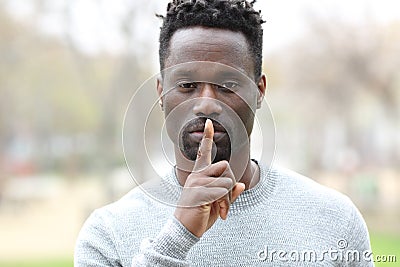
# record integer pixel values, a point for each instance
(175, 240)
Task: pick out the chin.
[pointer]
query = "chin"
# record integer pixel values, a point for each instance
(221, 149)
(218, 154)
(223, 156)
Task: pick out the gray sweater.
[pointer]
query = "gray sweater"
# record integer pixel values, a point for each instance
(285, 220)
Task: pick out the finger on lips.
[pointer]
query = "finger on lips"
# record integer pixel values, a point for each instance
(204, 153)
(217, 178)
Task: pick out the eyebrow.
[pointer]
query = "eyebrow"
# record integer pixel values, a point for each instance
(182, 72)
(217, 75)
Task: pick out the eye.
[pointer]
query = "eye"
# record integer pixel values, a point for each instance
(228, 86)
(187, 86)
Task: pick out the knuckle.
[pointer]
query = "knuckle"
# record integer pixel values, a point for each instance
(224, 191)
(227, 181)
(222, 165)
(191, 179)
(225, 164)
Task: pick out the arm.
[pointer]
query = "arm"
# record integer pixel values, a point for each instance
(96, 245)
(169, 248)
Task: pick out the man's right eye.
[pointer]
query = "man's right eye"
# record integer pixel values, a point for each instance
(187, 85)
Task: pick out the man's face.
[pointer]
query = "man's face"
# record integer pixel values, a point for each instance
(209, 74)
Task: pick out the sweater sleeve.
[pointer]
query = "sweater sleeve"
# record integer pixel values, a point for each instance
(358, 248)
(96, 245)
(169, 248)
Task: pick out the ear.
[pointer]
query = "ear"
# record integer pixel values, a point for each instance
(160, 90)
(262, 87)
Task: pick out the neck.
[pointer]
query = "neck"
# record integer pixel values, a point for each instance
(245, 170)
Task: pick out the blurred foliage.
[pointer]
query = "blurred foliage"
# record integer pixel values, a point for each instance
(68, 106)
(59, 102)
(337, 90)
(43, 83)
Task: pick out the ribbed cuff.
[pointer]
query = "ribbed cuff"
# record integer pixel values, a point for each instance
(174, 240)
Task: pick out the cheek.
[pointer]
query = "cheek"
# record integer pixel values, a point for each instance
(172, 101)
(176, 111)
(246, 112)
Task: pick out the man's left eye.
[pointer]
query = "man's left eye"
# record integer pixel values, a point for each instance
(229, 85)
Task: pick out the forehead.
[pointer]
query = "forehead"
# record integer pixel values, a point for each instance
(213, 45)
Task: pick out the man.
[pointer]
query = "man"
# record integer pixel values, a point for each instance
(227, 209)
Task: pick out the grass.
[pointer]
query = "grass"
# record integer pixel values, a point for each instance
(39, 263)
(382, 244)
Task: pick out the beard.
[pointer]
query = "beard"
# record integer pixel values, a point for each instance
(221, 149)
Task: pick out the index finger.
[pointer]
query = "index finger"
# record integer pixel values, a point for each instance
(204, 153)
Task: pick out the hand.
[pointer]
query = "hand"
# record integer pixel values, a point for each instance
(209, 189)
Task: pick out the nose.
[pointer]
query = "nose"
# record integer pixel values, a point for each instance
(207, 104)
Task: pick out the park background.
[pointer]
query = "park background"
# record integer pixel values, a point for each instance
(69, 68)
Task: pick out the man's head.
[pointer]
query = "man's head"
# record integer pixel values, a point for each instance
(210, 56)
(233, 15)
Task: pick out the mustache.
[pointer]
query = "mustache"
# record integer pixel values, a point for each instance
(197, 125)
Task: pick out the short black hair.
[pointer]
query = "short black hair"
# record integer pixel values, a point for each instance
(234, 15)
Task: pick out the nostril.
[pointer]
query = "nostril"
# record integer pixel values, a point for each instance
(209, 116)
(207, 107)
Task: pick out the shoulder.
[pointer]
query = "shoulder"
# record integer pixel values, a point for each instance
(317, 199)
(121, 225)
(314, 206)
(306, 189)
(301, 194)
(142, 203)
(137, 201)
(112, 231)
(134, 201)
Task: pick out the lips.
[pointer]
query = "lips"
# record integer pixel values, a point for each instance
(199, 127)
(197, 136)
(196, 129)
